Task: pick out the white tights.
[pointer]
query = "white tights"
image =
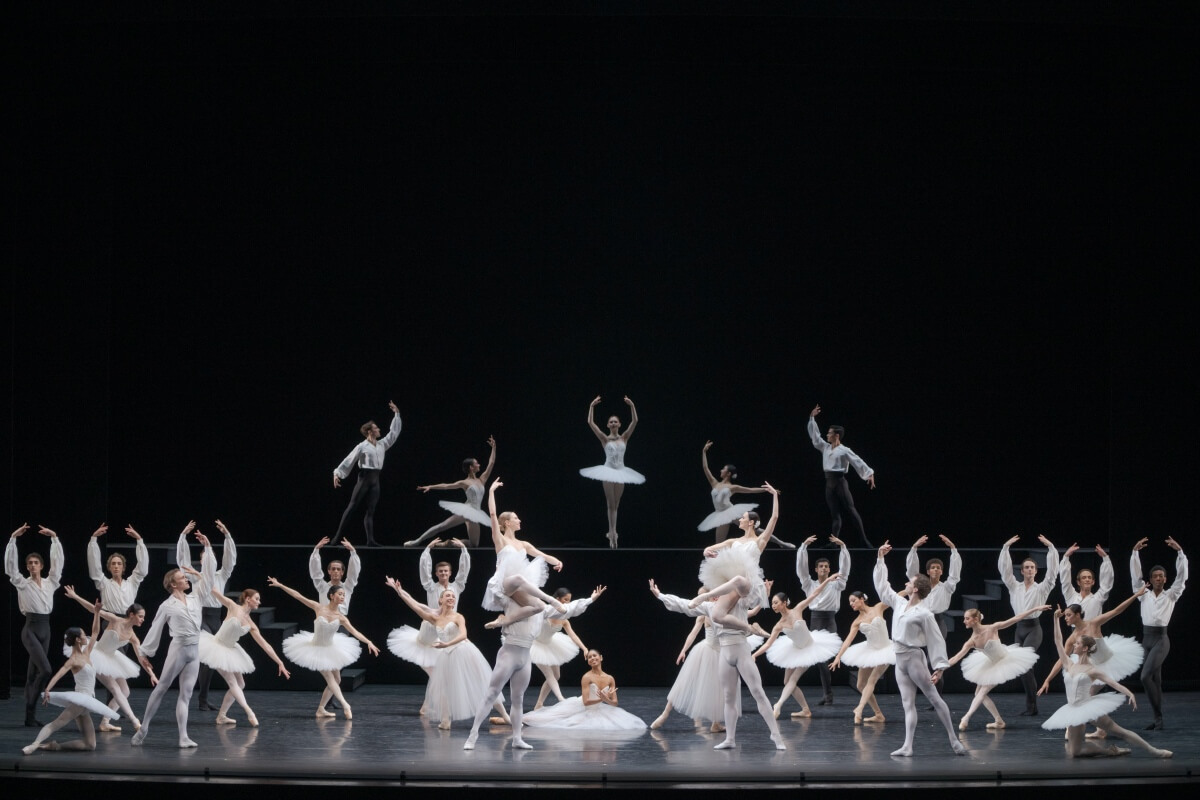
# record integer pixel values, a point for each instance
(729, 593)
(236, 682)
(527, 598)
(183, 663)
(736, 661)
(550, 675)
(452, 522)
(913, 674)
(82, 718)
(512, 667)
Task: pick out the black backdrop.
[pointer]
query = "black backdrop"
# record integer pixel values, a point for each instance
(237, 233)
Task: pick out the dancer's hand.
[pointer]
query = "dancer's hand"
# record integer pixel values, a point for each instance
(1100, 551)
(103, 529)
(324, 541)
(1070, 550)
(884, 549)
(809, 541)
(871, 480)
(284, 671)
(44, 531)
(20, 530)
(1045, 541)
(346, 544)
(189, 527)
(935, 676)
(599, 590)
(1174, 545)
(393, 407)
(337, 482)
(654, 588)
(816, 410)
(920, 542)
(374, 650)
(1012, 541)
(836, 541)
(833, 665)
(221, 527)
(946, 541)
(1044, 688)
(1142, 542)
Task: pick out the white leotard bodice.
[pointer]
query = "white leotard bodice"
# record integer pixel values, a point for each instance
(614, 453)
(799, 634)
(230, 631)
(994, 650)
(109, 642)
(1078, 686)
(85, 680)
(447, 633)
(876, 632)
(474, 495)
(323, 632)
(710, 637)
(720, 498)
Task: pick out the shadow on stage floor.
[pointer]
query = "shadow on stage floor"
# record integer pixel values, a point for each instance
(388, 745)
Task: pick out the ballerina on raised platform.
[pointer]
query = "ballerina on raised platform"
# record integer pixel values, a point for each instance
(725, 512)
(613, 473)
(470, 513)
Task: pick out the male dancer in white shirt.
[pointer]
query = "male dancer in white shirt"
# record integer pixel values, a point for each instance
(837, 459)
(1088, 597)
(822, 612)
(181, 614)
(368, 456)
(1157, 607)
(340, 575)
(1025, 595)
(212, 613)
(35, 599)
(118, 592)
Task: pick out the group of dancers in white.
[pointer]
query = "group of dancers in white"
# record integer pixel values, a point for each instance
(536, 629)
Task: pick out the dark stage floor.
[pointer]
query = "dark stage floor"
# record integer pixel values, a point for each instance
(387, 744)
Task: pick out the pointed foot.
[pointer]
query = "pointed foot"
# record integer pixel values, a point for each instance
(224, 720)
(138, 737)
(470, 743)
(725, 745)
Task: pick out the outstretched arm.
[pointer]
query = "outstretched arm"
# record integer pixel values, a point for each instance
(497, 534)
(423, 611)
(270, 651)
(704, 464)
(966, 648)
(314, 605)
(354, 632)
(803, 604)
(1008, 623)
(837, 660)
(487, 471)
(690, 640)
(1058, 637)
(223, 600)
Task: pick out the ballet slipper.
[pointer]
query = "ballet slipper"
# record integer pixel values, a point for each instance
(802, 714)
(520, 744)
(1163, 753)
(778, 740)
(998, 725)
(875, 718)
(496, 623)
(29, 749)
(323, 714)
(717, 727)
(725, 745)
(444, 725)
(962, 725)
(224, 720)
(959, 748)
(903, 752)
(185, 743)
(108, 727)
(138, 737)
(470, 743)
(253, 720)
(499, 721)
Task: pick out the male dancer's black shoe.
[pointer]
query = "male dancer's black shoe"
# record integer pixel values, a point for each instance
(1157, 725)
(32, 722)
(371, 543)
(204, 706)
(1030, 711)
(827, 700)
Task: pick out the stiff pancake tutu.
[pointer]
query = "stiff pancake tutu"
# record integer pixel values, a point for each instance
(612, 474)
(725, 516)
(466, 512)
(998, 663)
(877, 649)
(1118, 656)
(414, 645)
(224, 657)
(511, 561)
(553, 650)
(727, 564)
(322, 649)
(572, 715)
(815, 647)
(83, 702)
(1084, 711)
(113, 663)
(458, 684)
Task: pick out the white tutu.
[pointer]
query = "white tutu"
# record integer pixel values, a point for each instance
(511, 561)
(819, 647)
(553, 650)
(323, 648)
(466, 512)
(458, 684)
(224, 657)
(1084, 712)
(84, 702)
(572, 714)
(414, 645)
(1118, 656)
(696, 691)
(998, 663)
(108, 659)
(612, 474)
(725, 516)
(728, 563)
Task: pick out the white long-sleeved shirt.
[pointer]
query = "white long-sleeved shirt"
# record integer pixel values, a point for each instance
(1020, 596)
(183, 618)
(831, 598)
(208, 565)
(367, 454)
(913, 626)
(523, 632)
(317, 573)
(940, 595)
(1093, 604)
(116, 598)
(1157, 608)
(837, 459)
(725, 636)
(32, 597)
(433, 589)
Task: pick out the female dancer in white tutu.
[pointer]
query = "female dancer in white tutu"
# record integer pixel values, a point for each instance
(696, 691)
(1083, 707)
(458, 677)
(80, 704)
(596, 710)
(221, 651)
(521, 571)
(325, 650)
(556, 644)
(872, 657)
(613, 473)
(992, 663)
(113, 668)
(732, 568)
(469, 513)
(798, 648)
(724, 511)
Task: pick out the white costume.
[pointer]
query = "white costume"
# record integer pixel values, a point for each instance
(221, 650)
(458, 684)
(472, 509)
(798, 647)
(510, 561)
(83, 699)
(322, 649)
(116, 598)
(613, 470)
(108, 659)
(739, 558)
(877, 649)
(998, 663)
(1082, 706)
(572, 714)
(725, 511)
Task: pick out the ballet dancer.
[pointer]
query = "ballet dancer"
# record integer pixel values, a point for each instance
(992, 663)
(325, 649)
(368, 456)
(113, 668)
(80, 704)
(724, 512)
(340, 575)
(822, 613)
(458, 677)
(180, 613)
(557, 643)
(871, 658)
(1088, 597)
(696, 691)
(1157, 606)
(221, 651)
(733, 559)
(470, 513)
(596, 709)
(1083, 707)
(514, 668)
(837, 459)
(211, 610)
(735, 660)
(35, 599)
(613, 473)
(1024, 595)
(118, 590)
(799, 648)
(915, 633)
(515, 588)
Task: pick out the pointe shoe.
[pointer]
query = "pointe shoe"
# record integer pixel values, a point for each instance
(857, 717)
(998, 725)
(777, 708)
(323, 714)
(875, 719)
(717, 727)
(29, 749)
(1118, 751)
(962, 725)
(411, 543)
(803, 714)
(347, 713)
(1099, 733)
(659, 722)
(612, 540)
(253, 720)
(498, 622)
(499, 721)
(444, 725)
(779, 744)
(108, 727)
(224, 720)
(1163, 754)
(470, 743)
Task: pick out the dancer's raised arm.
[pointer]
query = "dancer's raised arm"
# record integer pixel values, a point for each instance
(313, 604)
(765, 536)
(497, 533)
(601, 435)
(423, 611)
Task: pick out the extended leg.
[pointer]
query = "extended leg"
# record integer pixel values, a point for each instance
(748, 670)
(187, 682)
(508, 660)
(612, 498)
(453, 521)
(172, 668)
